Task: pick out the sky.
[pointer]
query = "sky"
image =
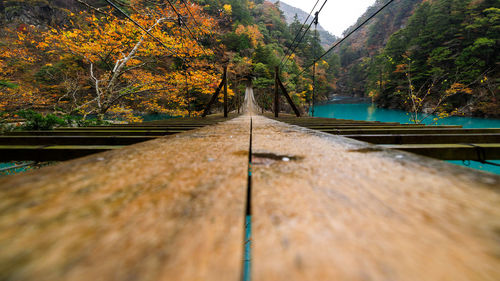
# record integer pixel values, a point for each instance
(337, 15)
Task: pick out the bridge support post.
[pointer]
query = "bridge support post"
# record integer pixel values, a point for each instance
(226, 111)
(276, 93)
(216, 94)
(279, 85)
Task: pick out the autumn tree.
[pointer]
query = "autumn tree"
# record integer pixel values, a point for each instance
(17, 90)
(161, 69)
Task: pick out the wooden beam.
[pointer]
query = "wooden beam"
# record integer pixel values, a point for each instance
(374, 126)
(405, 131)
(49, 153)
(169, 209)
(73, 140)
(330, 213)
(134, 128)
(174, 126)
(276, 93)
(97, 133)
(288, 98)
(226, 103)
(428, 139)
(215, 96)
(452, 151)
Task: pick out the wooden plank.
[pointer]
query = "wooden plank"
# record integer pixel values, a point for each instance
(73, 140)
(334, 122)
(339, 209)
(376, 127)
(168, 209)
(135, 128)
(406, 131)
(427, 139)
(96, 133)
(327, 124)
(142, 126)
(49, 153)
(489, 151)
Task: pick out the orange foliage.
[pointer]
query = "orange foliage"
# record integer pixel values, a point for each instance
(15, 59)
(253, 33)
(123, 70)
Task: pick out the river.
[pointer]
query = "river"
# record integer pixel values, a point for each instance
(342, 108)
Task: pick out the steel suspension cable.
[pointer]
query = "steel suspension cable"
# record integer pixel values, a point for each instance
(196, 22)
(305, 33)
(137, 24)
(187, 27)
(316, 19)
(298, 32)
(347, 36)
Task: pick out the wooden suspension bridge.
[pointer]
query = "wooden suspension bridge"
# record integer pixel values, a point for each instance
(329, 199)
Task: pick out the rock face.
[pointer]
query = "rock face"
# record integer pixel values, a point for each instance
(39, 13)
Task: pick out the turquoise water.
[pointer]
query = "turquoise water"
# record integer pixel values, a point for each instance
(369, 112)
(13, 171)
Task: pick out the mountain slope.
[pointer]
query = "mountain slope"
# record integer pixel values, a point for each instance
(290, 12)
(434, 56)
(370, 40)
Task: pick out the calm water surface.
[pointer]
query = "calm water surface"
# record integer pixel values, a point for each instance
(369, 112)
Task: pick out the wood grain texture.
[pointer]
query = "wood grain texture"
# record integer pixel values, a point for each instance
(340, 209)
(167, 209)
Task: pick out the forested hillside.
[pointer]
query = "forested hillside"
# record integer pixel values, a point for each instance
(438, 56)
(84, 58)
(291, 14)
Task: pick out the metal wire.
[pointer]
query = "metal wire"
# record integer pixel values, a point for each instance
(298, 33)
(303, 35)
(137, 24)
(347, 36)
(187, 27)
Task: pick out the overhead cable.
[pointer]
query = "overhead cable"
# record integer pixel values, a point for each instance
(187, 27)
(137, 24)
(305, 33)
(298, 32)
(347, 36)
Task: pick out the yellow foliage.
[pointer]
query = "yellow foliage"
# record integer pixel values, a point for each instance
(228, 9)
(252, 31)
(458, 88)
(129, 51)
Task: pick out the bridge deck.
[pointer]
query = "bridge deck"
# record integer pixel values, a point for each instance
(324, 207)
(344, 210)
(167, 209)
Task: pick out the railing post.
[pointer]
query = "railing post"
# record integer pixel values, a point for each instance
(225, 92)
(276, 93)
(215, 95)
(288, 98)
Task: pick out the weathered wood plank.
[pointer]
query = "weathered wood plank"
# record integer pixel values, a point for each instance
(97, 133)
(73, 140)
(376, 127)
(168, 209)
(406, 131)
(49, 153)
(340, 209)
(130, 128)
(477, 152)
(423, 139)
